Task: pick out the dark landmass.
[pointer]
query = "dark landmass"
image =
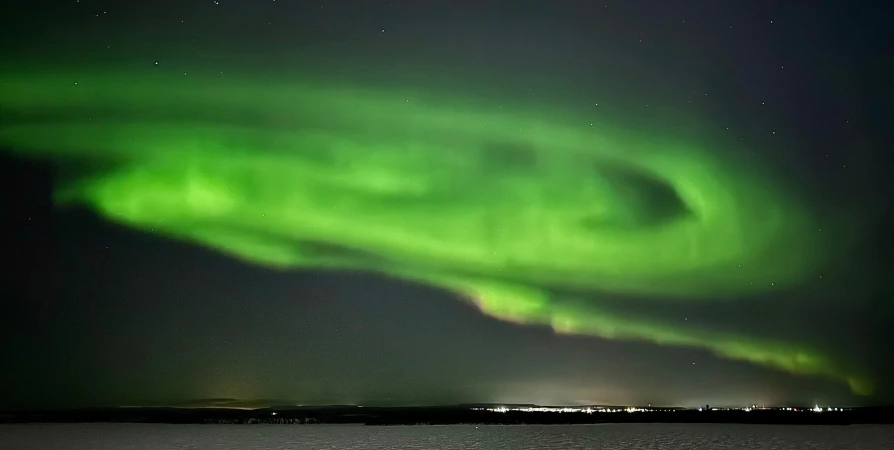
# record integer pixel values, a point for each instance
(441, 415)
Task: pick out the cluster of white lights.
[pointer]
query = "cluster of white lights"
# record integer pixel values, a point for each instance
(816, 408)
(599, 409)
(587, 410)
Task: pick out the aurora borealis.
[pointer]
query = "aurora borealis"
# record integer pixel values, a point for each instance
(375, 183)
(534, 212)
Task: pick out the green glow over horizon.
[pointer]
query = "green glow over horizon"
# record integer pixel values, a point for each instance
(506, 206)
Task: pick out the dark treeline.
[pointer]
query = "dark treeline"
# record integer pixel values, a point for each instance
(440, 416)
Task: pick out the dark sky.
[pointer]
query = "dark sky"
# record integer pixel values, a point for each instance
(98, 311)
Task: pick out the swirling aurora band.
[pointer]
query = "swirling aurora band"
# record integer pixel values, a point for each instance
(508, 207)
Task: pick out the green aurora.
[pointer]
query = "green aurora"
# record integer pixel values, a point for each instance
(528, 213)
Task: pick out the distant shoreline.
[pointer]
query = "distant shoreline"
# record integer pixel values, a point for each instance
(451, 415)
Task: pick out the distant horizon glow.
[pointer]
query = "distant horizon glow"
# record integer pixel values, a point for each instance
(529, 217)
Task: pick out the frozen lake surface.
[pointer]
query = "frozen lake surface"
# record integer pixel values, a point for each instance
(459, 437)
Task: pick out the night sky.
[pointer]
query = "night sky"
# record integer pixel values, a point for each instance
(429, 202)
